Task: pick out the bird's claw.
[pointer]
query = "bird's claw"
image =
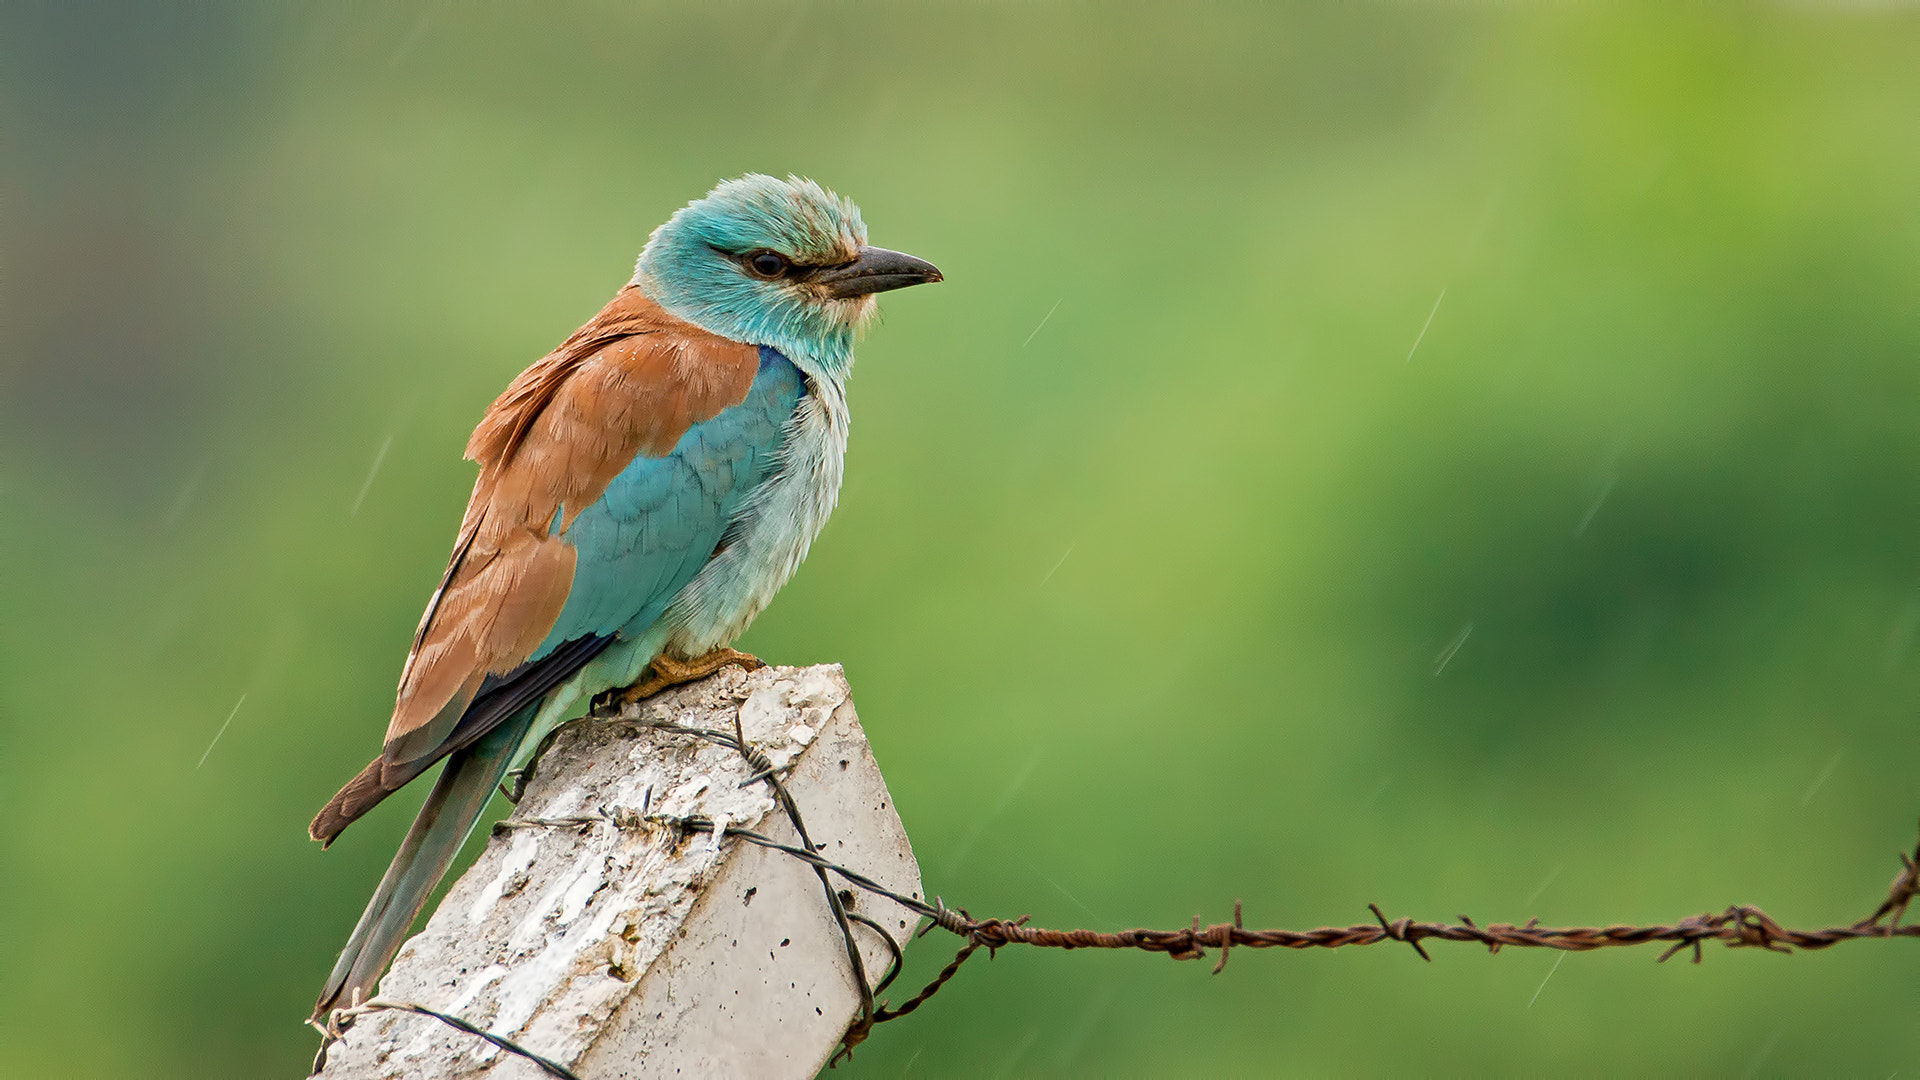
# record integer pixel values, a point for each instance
(666, 672)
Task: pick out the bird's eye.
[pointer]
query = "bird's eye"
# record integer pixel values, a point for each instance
(766, 264)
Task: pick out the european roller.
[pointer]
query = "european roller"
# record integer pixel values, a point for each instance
(644, 490)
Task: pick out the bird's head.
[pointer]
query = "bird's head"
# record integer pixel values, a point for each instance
(774, 262)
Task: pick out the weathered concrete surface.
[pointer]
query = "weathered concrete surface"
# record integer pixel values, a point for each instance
(620, 954)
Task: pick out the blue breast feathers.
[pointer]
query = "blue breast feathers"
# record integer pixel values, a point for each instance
(661, 519)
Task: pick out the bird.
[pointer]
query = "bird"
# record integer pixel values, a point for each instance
(644, 491)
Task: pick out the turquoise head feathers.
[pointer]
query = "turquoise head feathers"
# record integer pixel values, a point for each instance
(774, 262)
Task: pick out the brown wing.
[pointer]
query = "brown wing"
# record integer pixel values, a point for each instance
(629, 382)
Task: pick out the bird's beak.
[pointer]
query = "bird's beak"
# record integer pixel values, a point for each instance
(876, 270)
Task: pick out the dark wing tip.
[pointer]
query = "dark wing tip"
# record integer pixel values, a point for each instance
(499, 700)
(361, 794)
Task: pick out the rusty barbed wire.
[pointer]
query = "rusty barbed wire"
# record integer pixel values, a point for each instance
(1737, 926)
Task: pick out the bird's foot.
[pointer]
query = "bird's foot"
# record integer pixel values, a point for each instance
(665, 672)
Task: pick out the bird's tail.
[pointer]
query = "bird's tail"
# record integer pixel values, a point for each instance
(451, 811)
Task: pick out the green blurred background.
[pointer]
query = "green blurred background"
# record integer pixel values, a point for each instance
(1164, 575)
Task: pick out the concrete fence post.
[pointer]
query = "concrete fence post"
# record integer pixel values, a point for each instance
(636, 950)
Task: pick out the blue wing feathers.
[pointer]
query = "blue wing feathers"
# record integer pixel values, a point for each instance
(660, 520)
